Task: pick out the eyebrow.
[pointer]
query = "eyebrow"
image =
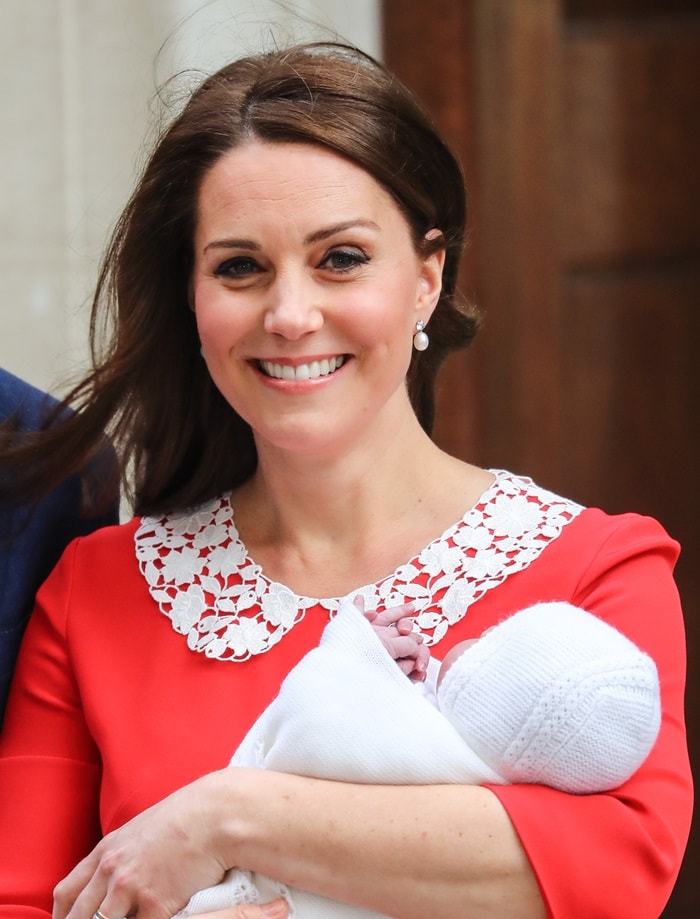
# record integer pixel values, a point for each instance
(327, 232)
(232, 244)
(316, 236)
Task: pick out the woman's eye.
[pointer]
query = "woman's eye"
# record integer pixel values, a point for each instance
(344, 259)
(239, 267)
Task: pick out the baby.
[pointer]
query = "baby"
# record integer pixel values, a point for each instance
(551, 695)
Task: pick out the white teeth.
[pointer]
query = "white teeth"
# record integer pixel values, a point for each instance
(303, 371)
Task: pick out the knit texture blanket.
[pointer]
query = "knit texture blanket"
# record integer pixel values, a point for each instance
(552, 694)
(346, 711)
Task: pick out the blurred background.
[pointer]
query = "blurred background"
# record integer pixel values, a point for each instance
(78, 101)
(577, 124)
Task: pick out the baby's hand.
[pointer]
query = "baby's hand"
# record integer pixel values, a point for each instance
(395, 630)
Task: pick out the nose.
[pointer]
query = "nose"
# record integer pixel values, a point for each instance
(292, 309)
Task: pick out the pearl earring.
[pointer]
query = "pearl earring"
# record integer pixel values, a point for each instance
(420, 339)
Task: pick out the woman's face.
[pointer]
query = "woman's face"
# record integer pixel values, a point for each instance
(307, 288)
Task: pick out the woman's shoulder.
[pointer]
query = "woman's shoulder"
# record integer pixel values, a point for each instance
(620, 534)
(568, 539)
(110, 538)
(105, 551)
(593, 523)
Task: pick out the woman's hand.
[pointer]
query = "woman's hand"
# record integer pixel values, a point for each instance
(150, 867)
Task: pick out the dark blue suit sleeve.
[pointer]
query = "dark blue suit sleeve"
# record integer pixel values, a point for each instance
(33, 539)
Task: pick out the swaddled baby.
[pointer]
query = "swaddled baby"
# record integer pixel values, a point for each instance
(552, 695)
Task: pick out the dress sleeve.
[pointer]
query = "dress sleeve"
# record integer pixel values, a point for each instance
(49, 765)
(618, 854)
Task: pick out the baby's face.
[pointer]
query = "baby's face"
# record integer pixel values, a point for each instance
(452, 656)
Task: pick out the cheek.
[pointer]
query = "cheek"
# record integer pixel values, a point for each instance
(396, 320)
(218, 323)
(387, 311)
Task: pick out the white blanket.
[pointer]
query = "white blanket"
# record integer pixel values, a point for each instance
(346, 711)
(551, 695)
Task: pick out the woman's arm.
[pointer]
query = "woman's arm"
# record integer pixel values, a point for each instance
(428, 851)
(425, 851)
(49, 775)
(619, 852)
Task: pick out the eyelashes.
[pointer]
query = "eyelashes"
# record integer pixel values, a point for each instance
(344, 260)
(242, 266)
(338, 261)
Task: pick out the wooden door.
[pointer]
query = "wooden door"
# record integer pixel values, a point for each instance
(578, 125)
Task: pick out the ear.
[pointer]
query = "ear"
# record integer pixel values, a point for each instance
(430, 282)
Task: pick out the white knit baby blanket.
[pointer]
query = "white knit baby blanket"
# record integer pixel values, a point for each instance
(345, 712)
(551, 695)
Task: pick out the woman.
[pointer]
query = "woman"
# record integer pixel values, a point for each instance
(287, 256)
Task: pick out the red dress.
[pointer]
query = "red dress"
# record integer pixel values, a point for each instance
(143, 668)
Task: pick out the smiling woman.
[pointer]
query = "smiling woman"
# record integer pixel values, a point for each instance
(304, 265)
(282, 287)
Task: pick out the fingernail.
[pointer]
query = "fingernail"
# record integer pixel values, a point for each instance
(276, 908)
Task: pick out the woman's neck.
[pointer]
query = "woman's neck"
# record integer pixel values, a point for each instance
(324, 527)
(303, 495)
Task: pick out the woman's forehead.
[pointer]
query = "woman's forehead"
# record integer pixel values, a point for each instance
(301, 183)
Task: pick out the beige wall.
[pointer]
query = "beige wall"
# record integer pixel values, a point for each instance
(77, 83)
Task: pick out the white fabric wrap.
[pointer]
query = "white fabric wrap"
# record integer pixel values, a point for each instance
(577, 704)
(346, 712)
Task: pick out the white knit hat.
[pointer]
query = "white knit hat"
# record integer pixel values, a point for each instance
(553, 695)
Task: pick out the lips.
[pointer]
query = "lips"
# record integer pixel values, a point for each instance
(311, 371)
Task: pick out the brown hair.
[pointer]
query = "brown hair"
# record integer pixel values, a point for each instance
(150, 389)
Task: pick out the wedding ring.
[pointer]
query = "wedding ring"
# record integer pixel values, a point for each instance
(99, 915)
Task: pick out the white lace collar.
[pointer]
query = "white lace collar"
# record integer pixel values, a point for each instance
(201, 576)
